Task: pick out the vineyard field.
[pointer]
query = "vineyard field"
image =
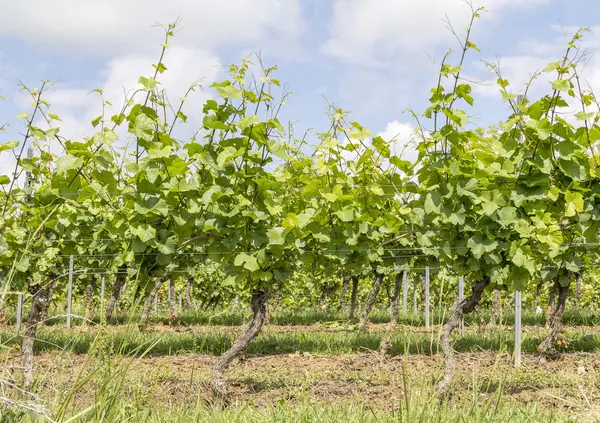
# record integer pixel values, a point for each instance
(324, 370)
(194, 257)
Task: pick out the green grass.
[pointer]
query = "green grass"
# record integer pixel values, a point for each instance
(273, 343)
(114, 399)
(228, 317)
(320, 413)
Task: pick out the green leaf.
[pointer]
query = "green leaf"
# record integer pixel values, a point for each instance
(23, 264)
(160, 67)
(561, 85)
(8, 145)
(68, 162)
(359, 133)
(148, 83)
(574, 203)
(479, 246)
(228, 91)
(226, 156)
(524, 260)
(433, 202)
(346, 214)
(138, 246)
(4, 180)
(277, 235)
(249, 262)
(382, 146)
(144, 232)
(247, 121)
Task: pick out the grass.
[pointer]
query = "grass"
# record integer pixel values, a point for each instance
(228, 317)
(321, 413)
(104, 393)
(215, 341)
(121, 374)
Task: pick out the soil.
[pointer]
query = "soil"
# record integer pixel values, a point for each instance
(571, 383)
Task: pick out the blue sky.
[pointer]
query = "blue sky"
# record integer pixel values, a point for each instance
(371, 57)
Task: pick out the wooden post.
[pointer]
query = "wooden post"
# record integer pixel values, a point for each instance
(70, 293)
(461, 296)
(19, 310)
(405, 292)
(517, 328)
(156, 303)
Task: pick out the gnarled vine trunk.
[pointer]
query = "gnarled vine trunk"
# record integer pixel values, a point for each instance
(495, 313)
(458, 310)
(191, 304)
(260, 300)
(423, 292)
(578, 277)
(345, 283)
(550, 309)
(39, 308)
(548, 346)
(364, 318)
(149, 302)
(49, 295)
(172, 301)
(386, 342)
(116, 293)
(89, 293)
(276, 299)
(353, 297)
(538, 292)
(325, 293)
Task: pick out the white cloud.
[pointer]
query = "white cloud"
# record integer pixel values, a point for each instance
(400, 136)
(77, 107)
(116, 26)
(518, 70)
(402, 139)
(366, 31)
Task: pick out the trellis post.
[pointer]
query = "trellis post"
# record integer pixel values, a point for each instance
(404, 291)
(461, 296)
(103, 289)
(517, 328)
(427, 296)
(415, 294)
(70, 293)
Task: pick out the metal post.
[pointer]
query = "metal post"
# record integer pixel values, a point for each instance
(461, 296)
(415, 294)
(70, 293)
(103, 289)
(180, 303)
(19, 310)
(517, 328)
(426, 296)
(404, 291)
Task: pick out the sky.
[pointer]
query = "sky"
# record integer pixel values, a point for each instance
(373, 58)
